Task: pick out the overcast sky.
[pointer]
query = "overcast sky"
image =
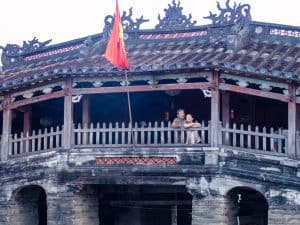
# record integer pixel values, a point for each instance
(63, 20)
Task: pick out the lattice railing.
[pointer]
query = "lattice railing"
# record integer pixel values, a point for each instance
(151, 134)
(256, 138)
(42, 140)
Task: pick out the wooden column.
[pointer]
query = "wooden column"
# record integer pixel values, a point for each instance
(27, 118)
(215, 110)
(6, 128)
(225, 108)
(85, 110)
(291, 147)
(68, 116)
(298, 131)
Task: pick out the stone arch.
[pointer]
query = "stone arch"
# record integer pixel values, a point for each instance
(29, 206)
(246, 206)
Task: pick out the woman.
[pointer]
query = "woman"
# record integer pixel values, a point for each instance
(192, 136)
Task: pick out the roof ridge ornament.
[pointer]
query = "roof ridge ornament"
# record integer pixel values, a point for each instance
(229, 15)
(174, 18)
(128, 23)
(12, 53)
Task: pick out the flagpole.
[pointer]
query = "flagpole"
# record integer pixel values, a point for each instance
(116, 54)
(129, 109)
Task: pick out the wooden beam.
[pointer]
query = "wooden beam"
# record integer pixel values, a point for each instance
(68, 115)
(215, 110)
(85, 110)
(142, 88)
(6, 128)
(291, 150)
(250, 91)
(138, 88)
(225, 107)
(57, 94)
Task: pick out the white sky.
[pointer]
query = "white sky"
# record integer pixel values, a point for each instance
(63, 20)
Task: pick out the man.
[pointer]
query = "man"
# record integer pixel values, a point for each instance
(178, 122)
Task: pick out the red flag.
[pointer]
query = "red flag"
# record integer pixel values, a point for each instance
(115, 50)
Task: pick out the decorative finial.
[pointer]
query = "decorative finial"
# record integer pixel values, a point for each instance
(127, 22)
(12, 53)
(230, 14)
(174, 18)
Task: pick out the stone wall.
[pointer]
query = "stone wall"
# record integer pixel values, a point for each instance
(65, 178)
(86, 206)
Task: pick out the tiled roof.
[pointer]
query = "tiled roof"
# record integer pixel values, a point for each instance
(266, 50)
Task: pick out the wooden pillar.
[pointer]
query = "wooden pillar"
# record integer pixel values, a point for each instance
(85, 110)
(298, 131)
(298, 117)
(291, 147)
(6, 128)
(68, 116)
(225, 108)
(27, 118)
(215, 110)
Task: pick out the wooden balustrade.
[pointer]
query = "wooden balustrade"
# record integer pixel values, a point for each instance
(42, 140)
(151, 134)
(254, 138)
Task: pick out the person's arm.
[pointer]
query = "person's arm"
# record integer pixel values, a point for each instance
(196, 125)
(174, 124)
(188, 125)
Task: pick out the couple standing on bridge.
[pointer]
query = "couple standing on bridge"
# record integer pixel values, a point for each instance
(187, 122)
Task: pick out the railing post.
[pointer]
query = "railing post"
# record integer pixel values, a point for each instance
(215, 109)
(291, 150)
(68, 115)
(6, 128)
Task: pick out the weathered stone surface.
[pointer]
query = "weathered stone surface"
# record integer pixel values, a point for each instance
(66, 175)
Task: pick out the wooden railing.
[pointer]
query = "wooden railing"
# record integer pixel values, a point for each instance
(248, 137)
(151, 134)
(42, 140)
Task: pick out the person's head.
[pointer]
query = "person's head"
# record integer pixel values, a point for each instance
(180, 114)
(189, 118)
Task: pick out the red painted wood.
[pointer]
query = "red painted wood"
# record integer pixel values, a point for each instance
(249, 91)
(68, 115)
(215, 109)
(141, 88)
(6, 128)
(57, 94)
(292, 122)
